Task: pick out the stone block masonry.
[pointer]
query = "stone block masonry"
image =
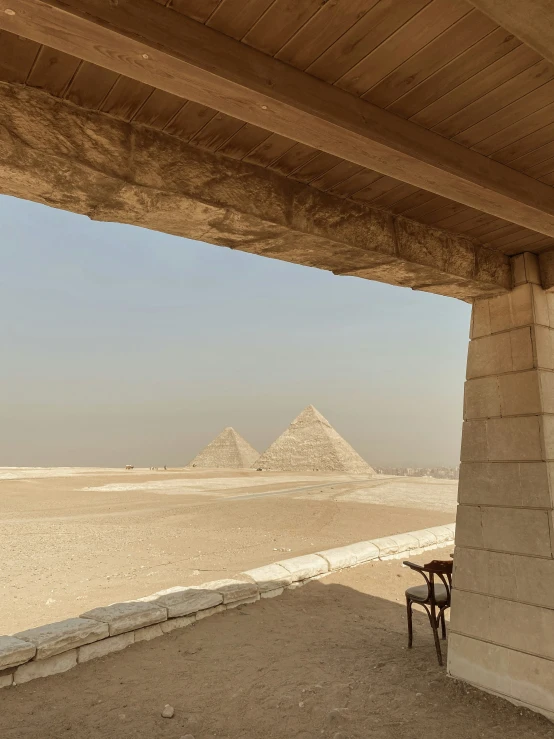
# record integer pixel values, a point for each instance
(87, 162)
(56, 638)
(6, 678)
(233, 591)
(122, 617)
(270, 577)
(54, 648)
(502, 623)
(303, 568)
(14, 651)
(106, 646)
(182, 601)
(45, 667)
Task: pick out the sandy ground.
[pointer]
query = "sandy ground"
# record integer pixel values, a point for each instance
(328, 660)
(73, 539)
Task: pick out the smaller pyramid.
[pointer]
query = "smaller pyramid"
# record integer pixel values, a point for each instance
(228, 451)
(311, 444)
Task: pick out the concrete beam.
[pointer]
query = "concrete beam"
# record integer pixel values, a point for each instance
(148, 42)
(529, 20)
(58, 154)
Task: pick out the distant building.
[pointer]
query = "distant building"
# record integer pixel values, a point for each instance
(440, 473)
(227, 451)
(311, 444)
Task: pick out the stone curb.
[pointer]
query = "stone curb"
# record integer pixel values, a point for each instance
(54, 648)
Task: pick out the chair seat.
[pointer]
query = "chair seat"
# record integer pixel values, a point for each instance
(420, 594)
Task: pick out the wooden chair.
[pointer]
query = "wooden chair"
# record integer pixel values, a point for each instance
(433, 596)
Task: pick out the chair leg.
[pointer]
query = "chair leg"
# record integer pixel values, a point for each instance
(410, 624)
(443, 624)
(435, 627)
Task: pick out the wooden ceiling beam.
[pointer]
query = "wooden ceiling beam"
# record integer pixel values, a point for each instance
(529, 20)
(162, 48)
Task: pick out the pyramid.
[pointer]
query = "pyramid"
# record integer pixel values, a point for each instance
(227, 451)
(311, 443)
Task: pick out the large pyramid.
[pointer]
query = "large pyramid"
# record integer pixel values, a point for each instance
(311, 443)
(227, 451)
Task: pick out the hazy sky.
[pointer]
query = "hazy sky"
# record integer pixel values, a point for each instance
(121, 345)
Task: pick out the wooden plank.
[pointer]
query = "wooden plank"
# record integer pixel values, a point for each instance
(198, 10)
(372, 29)
(90, 86)
(456, 219)
(530, 21)
(531, 242)
(336, 176)
(519, 240)
(419, 31)
(236, 17)
(279, 23)
(376, 189)
(416, 200)
(496, 233)
(52, 71)
(538, 100)
(476, 86)
(189, 120)
(479, 56)
(429, 206)
(442, 213)
(159, 109)
(536, 156)
(498, 98)
(125, 98)
(499, 240)
(542, 169)
(541, 249)
(294, 158)
(542, 244)
(355, 183)
(269, 150)
(525, 146)
(215, 133)
(17, 56)
(487, 228)
(475, 222)
(447, 46)
(190, 60)
(390, 198)
(516, 131)
(322, 30)
(244, 141)
(316, 167)
(548, 179)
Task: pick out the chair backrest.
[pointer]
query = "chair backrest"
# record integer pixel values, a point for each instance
(442, 569)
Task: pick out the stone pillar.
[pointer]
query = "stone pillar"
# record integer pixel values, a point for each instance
(502, 621)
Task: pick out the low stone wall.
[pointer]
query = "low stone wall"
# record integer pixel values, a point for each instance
(54, 648)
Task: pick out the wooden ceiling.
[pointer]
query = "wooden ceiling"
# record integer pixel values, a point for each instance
(441, 64)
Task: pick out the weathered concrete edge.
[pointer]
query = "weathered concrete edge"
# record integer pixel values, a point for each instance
(385, 548)
(56, 153)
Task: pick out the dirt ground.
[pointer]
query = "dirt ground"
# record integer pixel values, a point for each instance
(327, 660)
(74, 539)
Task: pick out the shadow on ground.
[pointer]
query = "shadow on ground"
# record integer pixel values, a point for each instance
(322, 661)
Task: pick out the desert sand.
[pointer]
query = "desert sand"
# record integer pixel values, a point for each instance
(328, 660)
(74, 539)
